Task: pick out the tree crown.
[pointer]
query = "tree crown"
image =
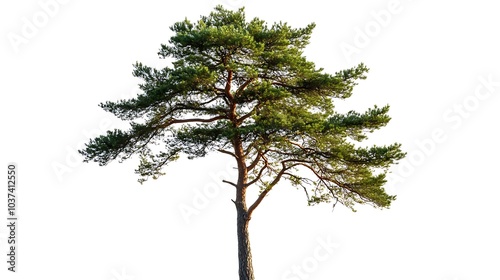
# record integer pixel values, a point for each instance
(245, 89)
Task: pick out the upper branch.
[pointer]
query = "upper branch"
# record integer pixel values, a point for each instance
(261, 171)
(244, 85)
(256, 160)
(175, 121)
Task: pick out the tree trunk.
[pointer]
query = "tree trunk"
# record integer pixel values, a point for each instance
(242, 216)
(244, 253)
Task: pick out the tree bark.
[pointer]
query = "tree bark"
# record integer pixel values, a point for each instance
(244, 252)
(242, 215)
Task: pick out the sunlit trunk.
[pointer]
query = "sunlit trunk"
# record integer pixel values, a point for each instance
(244, 252)
(242, 216)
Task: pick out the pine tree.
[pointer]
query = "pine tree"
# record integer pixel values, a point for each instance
(246, 90)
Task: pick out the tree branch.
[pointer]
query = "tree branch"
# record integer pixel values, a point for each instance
(249, 148)
(175, 121)
(321, 178)
(271, 185)
(256, 160)
(227, 152)
(244, 85)
(227, 89)
(246, 116)
(300, 179)
(230, 183)
(259, 175)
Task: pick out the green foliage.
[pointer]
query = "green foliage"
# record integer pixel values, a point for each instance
(238, 85)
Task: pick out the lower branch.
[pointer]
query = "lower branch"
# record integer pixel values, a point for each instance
(271, 185)
(230, 183)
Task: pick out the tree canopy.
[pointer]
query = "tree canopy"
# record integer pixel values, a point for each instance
(245, 89)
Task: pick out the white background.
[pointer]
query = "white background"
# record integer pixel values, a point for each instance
(82, 221)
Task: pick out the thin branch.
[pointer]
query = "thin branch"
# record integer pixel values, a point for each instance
(286, 86)
(249, 149)
(211, 100)
(247, 115)
(301, 179)
(227, 152)
(259, 175)
(271, 185)
(336, 182)
(230, 183)
(321, 178)
(175, 121)
(256, 160)
(244, 85)
(334, 196)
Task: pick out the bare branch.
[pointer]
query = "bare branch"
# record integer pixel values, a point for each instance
(230, 183)
(211, 100)
(259, 175)
(246, 116)
(175, 121)
(256, 160)
(227, 152)
(271, 185)
(327, 181)
(300, 179)
(321, 178)
(244, 85)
